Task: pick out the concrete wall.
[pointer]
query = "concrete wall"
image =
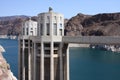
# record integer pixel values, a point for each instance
(92, 39)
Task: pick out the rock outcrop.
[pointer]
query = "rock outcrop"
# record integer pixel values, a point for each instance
(106, 24)
(5, 72)
(73, 26)
(81, 24)
(11, 25)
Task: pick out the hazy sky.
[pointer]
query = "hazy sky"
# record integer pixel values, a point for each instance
(67, 7)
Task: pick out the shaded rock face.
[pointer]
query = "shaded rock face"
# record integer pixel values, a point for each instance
(73, 26)
(11, 25)
(101, 18)
(101, 24)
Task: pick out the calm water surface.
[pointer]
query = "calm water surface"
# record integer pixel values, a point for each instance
(11, 54)
(85, 63)
(91, 64)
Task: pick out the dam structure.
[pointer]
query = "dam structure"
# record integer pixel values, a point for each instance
(44, 50)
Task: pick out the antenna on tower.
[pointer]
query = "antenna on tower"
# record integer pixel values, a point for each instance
(50, 9)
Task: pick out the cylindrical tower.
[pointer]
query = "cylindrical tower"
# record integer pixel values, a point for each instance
(42, 56)
(49, 57)
(29, 28)
(50, 24)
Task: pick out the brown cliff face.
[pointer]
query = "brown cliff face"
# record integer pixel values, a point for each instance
(73, 26)
(11, 25)
(100, 24)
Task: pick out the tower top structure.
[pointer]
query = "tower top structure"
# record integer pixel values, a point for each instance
(50, 24)
(29, 28)
(50, 9)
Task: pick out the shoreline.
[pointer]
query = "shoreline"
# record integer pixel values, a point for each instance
(79, 45)
(5, 71)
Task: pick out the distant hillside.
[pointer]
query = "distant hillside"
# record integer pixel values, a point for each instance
(11, 25)
(100, 24)
(7, 18)
(73, 26)
(81, 24)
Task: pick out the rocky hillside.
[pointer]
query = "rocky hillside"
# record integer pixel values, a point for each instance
(11, 25)
(100, 24)
(73, 26)
(81, 24)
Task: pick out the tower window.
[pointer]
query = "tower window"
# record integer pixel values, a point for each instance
(55, 29)
(48, 28)
(27, 31)
(60, 18)
(38, 29)
(60, 32)
(55, 18)
(60, 25)
(23, 31)
(48, 18)
(31, 32)
(35, 31)
(41, 30)
(27, 24)
(41, 17)
(46, 44)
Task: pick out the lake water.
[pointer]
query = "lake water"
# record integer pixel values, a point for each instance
(91, 64)
(85, 63)
(11, 54)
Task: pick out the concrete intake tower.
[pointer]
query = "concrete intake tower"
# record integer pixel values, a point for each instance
(41, 52)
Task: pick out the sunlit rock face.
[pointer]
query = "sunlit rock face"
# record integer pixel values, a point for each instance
(5, 72)
(104, 24)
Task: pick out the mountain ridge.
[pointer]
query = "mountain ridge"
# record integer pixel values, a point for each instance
(106, 24)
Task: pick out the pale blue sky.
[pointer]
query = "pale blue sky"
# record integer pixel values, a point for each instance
(67, 7)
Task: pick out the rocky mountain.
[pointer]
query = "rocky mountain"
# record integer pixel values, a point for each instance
(73, 26)
(7, 18)
(11, 25)
(81, 24)
(106, 24)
